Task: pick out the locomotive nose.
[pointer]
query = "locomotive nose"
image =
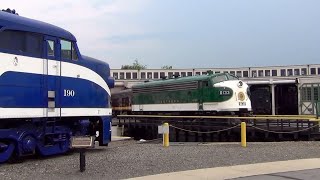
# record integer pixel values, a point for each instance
(110, 82)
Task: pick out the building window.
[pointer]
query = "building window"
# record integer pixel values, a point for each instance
(197, 73)
(225, 71)
(149, 74)
(204, 73)
(189, 73)
(143, 75)
(128, 75)
(115, 75)
(283, 72)
(306, 93)
(245, 74)
(297, 72)
(260, 72)
(303, 71)
(217, 72)
(162, 75)
(183, 74)
(239, 73)
(155, 75)
(313, 71)
(267, 73)
(233, 73)
(134, 75)
(316, 93)
(254, 73)
(274, 73)
(122, 75)
(176, 74)
(318, 70)
(170, 74)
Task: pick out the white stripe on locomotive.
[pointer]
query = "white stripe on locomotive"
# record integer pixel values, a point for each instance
(39, 66)
(40, 112)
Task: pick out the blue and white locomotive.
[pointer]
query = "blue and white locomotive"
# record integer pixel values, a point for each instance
(49, 92)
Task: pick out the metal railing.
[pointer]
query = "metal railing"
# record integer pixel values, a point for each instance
(318, 109)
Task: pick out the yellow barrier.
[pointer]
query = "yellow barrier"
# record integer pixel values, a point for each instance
(243, 135)
(166, 135)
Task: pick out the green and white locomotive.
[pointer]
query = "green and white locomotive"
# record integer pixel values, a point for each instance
(211, 94)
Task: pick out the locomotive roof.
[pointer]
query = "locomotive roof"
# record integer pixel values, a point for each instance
(177, 80)
(16, 22)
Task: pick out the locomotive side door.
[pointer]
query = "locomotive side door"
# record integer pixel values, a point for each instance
(200, 95)
(203, 92)
(52, 73)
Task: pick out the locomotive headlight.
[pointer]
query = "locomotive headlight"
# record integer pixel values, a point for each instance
(241, 96)
(240, 84)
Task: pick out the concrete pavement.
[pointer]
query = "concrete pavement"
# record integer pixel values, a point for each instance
(310, 174)
(292, 169)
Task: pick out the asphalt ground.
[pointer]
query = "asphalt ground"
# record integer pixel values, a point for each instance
(129, 159)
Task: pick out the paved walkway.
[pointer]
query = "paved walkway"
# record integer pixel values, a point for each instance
(280, 170)
(119, 138)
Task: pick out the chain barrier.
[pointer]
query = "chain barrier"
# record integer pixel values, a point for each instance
(284, 132)
(207, 132)
(277, 132)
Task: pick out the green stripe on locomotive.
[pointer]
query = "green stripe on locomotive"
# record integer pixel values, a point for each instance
(192, 89)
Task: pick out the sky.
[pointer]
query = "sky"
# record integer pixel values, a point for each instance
(186, 33)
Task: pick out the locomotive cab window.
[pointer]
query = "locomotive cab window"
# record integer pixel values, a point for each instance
(50, 48)
(205, 83)
(21, 42)
(74, 52)
(68, 51)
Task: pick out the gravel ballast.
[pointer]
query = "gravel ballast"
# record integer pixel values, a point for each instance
(127, 159)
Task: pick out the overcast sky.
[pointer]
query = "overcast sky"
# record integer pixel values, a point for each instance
(186, 33)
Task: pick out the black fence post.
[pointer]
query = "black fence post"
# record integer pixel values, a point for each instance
(82, 160)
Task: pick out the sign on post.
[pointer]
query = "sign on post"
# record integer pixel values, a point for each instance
(163, 129)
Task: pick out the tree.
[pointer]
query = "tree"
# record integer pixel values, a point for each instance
(136, 65)
(166, 67)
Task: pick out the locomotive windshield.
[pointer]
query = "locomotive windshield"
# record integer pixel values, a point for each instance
(232, 77)
(223, 77)
(219, 78)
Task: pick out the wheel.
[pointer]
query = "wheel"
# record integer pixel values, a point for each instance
(7, 151)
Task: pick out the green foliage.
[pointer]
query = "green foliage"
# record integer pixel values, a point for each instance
(136, 65)
(166, 67)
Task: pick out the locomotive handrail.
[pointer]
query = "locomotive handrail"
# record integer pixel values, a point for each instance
(317, 109)
(302, 116)
(280, 117)
(207, 132)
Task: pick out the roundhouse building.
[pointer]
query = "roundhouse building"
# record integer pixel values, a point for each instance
(292, 89)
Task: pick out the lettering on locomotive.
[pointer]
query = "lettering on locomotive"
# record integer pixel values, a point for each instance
(68, 93)
(224, 92)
